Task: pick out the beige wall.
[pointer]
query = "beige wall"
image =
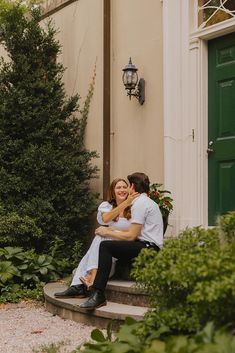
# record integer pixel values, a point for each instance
(80, 26)
(136, 31)
(137, 142)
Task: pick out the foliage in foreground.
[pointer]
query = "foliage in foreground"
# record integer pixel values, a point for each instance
(45, 168)
(162, 198)
(16, 293)
(127, 340)
(23, 273)
(192, 280)
(25, 268)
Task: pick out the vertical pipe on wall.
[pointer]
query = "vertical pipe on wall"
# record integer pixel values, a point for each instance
(106, 95)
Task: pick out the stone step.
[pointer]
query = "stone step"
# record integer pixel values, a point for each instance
(126, 292)
(69, 308)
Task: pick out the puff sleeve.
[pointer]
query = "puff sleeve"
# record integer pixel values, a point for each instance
(103, 208)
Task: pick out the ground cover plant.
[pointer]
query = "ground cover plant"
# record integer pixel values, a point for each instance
(23, 273)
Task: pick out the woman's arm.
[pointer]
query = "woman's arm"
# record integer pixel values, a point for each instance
(109, 216)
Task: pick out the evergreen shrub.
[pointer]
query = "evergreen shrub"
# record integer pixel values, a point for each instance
(45, 168)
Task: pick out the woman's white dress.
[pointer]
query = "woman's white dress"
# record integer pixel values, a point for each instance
(91, 258)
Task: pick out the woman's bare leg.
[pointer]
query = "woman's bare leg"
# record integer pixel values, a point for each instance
(89, 278)
(93, 273)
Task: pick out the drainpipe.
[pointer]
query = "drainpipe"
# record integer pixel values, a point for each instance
(106, 94)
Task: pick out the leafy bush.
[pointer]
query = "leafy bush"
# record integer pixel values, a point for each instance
(127, 340)
(64, 264)
(16, 230)
(15, 293)
(45, 168)
(162, 198)
(227, 227)
(191, 280)
(19, 267)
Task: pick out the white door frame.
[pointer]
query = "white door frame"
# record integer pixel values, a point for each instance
(185, 59)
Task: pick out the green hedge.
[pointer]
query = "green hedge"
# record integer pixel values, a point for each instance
(192, 280)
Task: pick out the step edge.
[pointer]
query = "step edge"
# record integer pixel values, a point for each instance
(100, 312)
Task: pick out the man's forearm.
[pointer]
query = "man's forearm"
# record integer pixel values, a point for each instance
(120, 235)
(129, 235)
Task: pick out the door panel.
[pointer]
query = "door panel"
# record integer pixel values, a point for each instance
(221, 126)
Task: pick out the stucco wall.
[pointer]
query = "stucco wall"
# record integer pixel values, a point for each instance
(137, 139)
(80, 26)
(136, 31)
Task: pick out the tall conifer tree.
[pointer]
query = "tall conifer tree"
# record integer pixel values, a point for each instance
(45, 168)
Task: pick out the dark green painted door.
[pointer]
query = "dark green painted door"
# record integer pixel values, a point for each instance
(221, 128)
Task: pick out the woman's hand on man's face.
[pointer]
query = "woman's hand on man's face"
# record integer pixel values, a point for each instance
(131, 197)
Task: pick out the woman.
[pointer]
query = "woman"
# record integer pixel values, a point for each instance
(115, 213)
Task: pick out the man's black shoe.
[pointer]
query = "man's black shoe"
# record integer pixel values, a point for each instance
(96, 300)
(77, 291)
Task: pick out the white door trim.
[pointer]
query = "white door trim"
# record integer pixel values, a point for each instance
(185, 110)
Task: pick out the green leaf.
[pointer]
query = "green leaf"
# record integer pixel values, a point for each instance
(130, 321)
(156, 347)
(109, 330)
(97, 335)
(43, 270)
(7, 271)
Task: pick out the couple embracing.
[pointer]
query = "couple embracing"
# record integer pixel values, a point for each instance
(130, 221)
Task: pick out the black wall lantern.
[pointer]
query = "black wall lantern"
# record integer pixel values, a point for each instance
(130, 80)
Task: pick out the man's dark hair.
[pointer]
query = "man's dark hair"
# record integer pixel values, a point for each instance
(140, 180)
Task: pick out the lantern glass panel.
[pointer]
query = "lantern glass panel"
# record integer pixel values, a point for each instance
(130, 79)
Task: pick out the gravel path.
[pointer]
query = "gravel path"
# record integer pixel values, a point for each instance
(26, 327)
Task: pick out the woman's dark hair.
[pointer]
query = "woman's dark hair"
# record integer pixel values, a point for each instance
(140, 180)
(112, 198)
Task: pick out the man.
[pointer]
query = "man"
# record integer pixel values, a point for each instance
(146, 230)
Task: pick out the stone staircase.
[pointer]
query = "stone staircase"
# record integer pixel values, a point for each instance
(123, 300)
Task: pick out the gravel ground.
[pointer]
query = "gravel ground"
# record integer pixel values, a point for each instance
(26, 327)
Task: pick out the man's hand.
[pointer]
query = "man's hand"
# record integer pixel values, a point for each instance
(102, 231)
(131, 234)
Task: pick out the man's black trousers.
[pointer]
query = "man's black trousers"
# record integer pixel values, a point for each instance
(121, 250)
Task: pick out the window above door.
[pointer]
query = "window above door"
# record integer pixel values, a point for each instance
(211, 12)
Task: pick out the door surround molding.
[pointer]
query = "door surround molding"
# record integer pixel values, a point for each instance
(185, 59)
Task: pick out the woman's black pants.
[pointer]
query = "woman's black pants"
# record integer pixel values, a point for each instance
(121, 250)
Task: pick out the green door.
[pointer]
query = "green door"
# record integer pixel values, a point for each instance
(221, 128)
